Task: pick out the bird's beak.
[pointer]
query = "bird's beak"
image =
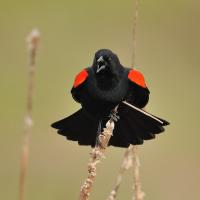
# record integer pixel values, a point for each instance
(100, 59)
(100, 64)
(100, 68)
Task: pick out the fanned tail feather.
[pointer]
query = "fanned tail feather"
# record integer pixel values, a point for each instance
(78, 127)
(134, 126)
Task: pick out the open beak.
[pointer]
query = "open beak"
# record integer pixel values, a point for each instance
(100, 64)
(100, 68)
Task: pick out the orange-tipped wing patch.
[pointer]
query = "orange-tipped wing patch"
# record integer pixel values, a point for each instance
(80, 78)
(137, 77)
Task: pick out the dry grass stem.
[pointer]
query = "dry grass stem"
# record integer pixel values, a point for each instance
(32, 42)
(96, 155)
(126, 164)
(138, 193)
(135, 22)
(131, 157)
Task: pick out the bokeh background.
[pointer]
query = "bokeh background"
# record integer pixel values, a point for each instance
(71, 31)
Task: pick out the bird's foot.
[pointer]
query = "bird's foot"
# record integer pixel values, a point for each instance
(114, 116)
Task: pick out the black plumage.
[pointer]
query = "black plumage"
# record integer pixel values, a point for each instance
(99, 89)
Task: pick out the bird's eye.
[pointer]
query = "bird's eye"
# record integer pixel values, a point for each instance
(107, 58)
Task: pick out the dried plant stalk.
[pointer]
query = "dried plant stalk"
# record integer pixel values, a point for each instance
(135, 22)
(138, 193)
(95, 157)
(32, 42)
(126, 164)
(131, 157)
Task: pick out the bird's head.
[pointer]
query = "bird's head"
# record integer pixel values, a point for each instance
(106, 63)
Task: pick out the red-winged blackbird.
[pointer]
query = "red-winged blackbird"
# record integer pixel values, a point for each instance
(99, 89)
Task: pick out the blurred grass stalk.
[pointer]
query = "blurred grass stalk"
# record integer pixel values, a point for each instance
(131, 156)
(130, 159)
(126, 164)
(32, 43)
(137, 187)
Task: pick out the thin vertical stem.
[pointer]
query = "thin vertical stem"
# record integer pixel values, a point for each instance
(32, 42)
(126, 164)
(135, 23)
(131, 154)
(138, 193)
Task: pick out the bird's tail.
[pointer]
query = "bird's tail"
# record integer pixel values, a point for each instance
(135, 125)
(78, 127)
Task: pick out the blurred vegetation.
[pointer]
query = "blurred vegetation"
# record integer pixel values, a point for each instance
(168, 55)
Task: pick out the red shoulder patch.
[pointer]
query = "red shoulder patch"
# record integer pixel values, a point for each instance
(80, 78)
(137, 77)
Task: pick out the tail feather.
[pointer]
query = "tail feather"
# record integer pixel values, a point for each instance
(120, 138)
(139, 128)
(134, 126)
(78, 127)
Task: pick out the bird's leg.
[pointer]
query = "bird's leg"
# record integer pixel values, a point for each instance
(114, 116)
(99, 132)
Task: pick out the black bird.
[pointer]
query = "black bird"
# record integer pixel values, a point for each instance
(99, 89)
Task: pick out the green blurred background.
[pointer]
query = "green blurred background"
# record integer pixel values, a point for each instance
(71, 31)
